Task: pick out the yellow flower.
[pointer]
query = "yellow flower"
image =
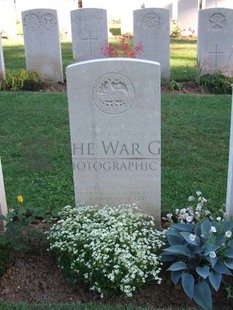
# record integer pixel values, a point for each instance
(20, 199)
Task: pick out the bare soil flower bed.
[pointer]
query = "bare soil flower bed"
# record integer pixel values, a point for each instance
(34, 278)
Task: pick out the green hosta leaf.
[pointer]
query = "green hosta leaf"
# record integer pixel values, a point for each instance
(205, 228)
(188, 284)
(229, 253)
(176, 275)
(210, 248)
(228, 225)
(172, 232)
(183, 227)
(213, 261)
(220, 240)
(178, 249)
(215, 279)
(229, 263)
(202, 295)
(191, 238)
(175, 240)
(196, 250)
(203, 271)
(197, 229)
(230, 243)
(222, 268)
(177, 266)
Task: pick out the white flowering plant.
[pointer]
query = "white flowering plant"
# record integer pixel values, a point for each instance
(194, 213)
(199, 255)
(113, 249)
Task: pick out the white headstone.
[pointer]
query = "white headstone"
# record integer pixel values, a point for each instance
(112, 7)
(114, 110)
(8, 18)
(89, 33)
(215, 40)
(187, 16)
(63, 8)
(3, 205)
(2, 65)
(151, 29)
(163, 4)
(127, 16)
(42, 43)
(218, 4)
(229, 198)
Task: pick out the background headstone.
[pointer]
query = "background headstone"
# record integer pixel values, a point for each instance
(218, 4)
(229, 198)
(120, 9)
(215, 40)
(127, 16)
(42, 43)
(151, 29)
(63, 8)
(163, 4)
(3, 205)
(2, 65)
(114, 110)
(89, 33)
(187, 16)
(8, 19)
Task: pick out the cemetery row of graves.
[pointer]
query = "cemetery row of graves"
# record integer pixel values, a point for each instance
(113, 139)
(90, 39)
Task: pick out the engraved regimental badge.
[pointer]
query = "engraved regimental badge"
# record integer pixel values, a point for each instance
(113, 93)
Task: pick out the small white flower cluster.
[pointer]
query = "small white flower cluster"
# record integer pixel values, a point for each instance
(193, 214)
(109, 248)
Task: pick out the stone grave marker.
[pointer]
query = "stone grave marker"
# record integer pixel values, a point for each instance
(229, 198)
(8, 18)
(3, 205)
(152, 30)
(89, 28)
(218, 3)
(164, 4)
(42, 43)
(215, 40)
(187, 16)
(2, 65)
(114, 110)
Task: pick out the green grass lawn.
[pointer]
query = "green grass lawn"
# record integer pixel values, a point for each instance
(36, 157)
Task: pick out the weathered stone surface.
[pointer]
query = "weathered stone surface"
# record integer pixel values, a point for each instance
(114, 110)
(152, 30)
(215, 40)
(42, 43)
(2, 64)
(3, 205)
(89, 33)
(187, 16)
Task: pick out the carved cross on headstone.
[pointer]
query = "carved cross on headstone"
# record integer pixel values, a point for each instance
(216, 53)
(3, 205)
(90, 38)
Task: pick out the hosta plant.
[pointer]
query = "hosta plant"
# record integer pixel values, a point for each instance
(109, 249)
(199, 255)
